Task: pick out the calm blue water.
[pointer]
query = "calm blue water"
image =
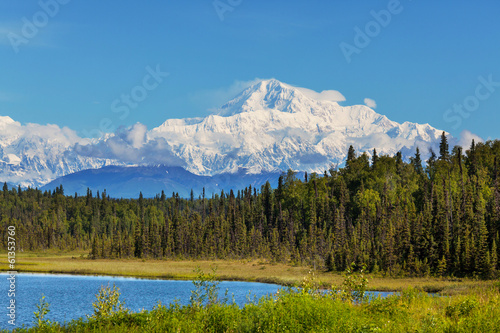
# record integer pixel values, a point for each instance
(71, 296)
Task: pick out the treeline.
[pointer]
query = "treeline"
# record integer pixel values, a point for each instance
(393, 216)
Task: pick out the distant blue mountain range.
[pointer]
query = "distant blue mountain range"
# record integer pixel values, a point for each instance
(128, 182)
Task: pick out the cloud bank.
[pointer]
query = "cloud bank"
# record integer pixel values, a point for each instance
(325, 95)
(466, 137)
(370, 103)
(131, 145)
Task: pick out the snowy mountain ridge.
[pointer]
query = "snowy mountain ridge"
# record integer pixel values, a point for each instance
(270, 126)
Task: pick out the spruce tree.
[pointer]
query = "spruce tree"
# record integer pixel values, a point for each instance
(494, 256)
(416, 162)
(431, 164)
(441, 268)
(330, 262)
(444, 153)
(374, 157)
(94, 253)
(351, 156)
(471, 160)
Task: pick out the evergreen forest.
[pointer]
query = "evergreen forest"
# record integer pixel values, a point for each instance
(439, 217)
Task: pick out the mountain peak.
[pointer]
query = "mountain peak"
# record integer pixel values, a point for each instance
(265, 94)
(6, 120)
(268, 94)
(272, 94)
(272, 84)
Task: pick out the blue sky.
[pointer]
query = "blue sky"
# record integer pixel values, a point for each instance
(434, 62)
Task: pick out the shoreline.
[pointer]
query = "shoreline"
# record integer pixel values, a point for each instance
(254, 270)
(145, 277)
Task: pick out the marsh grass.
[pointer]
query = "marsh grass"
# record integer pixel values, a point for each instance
(228, 270)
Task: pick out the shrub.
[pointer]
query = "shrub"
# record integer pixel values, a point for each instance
(43, 310)
(461, 309)
(206, 288)
(309, 284)
(353, 289)
(108, 302)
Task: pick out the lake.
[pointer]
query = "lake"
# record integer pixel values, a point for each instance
(71, 296)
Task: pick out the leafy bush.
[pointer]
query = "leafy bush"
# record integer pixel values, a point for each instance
(206, 288)
(309, 284)
(43, 310)
(461, 309)
(108, 302)
(353, 289)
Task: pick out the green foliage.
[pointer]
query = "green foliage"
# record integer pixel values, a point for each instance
(441, 269)
(461, 309)
(39, 316)
(354, 286)
(309, 284)
(368, 200)
(108, 302)
(206, 288)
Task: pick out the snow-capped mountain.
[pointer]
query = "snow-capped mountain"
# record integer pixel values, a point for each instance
(270, 126)
(32, 155)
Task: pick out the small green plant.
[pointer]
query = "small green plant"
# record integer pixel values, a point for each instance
(108, 302)
(389, 306)
(353, 289)
(43, 310)
(461, 309)
(309, 283)
(412, 295)
(206, 288)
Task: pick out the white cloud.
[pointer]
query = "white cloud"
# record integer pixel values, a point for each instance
(466, 138)
(370, 103)
(325, 95)
(130, 145)
(137, 135)
(12, 130)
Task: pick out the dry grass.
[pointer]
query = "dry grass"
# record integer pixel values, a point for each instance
(242, 270)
